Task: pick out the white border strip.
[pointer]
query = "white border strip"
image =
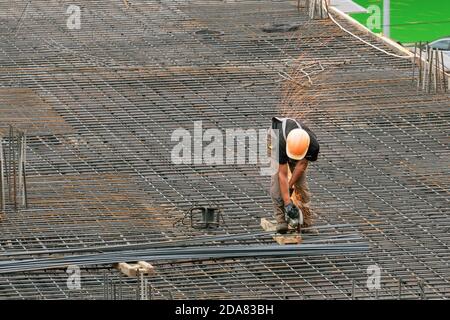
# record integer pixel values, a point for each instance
(360, 26)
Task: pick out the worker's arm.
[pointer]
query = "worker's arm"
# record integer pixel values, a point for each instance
(299, 169)
(283, 182)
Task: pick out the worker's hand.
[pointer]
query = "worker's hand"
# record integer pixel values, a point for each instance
(291, 210)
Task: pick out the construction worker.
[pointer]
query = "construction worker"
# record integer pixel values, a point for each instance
(297, 145)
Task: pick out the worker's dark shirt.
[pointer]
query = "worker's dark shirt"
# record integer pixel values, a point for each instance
(313, 150)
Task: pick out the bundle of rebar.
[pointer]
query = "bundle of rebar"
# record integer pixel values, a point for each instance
(315, 9)
(188, 253)
(431, 75)
(13, 183)
(189, 241)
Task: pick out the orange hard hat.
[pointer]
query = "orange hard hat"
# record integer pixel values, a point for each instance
(297, 144)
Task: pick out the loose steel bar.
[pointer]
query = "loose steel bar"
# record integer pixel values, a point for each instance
(10, 163)
(430, 69)
(436, 70)
(24, 173)
(420, 65)
(414, 62)
(2, 177)
(444, 75)
(20, 167)
(15, 144)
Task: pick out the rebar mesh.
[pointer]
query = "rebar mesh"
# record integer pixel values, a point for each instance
(108, 97)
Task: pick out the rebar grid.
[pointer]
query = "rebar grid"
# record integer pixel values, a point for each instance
(113, 92)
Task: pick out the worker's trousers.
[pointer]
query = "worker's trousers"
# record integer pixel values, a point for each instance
(301, 198)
